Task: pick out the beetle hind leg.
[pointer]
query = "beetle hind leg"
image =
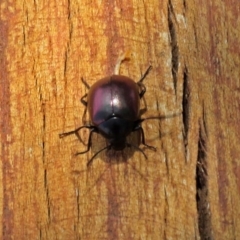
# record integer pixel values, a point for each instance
(139, 128)
(92, 158)
(138, 148)
(143, 141)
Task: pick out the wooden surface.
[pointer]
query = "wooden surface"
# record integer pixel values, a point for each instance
(188, 189)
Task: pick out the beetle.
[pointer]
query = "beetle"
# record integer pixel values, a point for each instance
(113, 104)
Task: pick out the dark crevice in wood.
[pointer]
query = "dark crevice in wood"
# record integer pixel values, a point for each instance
(184, 5)
(185, 108)
(47, 195)
(69, 13)
(195, 36)
(65, 63)
(78, 204)
(166, 212)
(174, 45)
(44, 156)
(40, 234)
(202, 198)
(185, 101)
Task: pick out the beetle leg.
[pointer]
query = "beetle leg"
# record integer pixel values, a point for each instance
(141, 85)
(145, 74)
(85, 83)
(90, 161)
(62, 135)
(139, 128)
(138, 148)
(84, 102)
(142, 88)
(89, 142)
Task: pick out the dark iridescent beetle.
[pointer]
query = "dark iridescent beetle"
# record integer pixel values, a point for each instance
(113, 104)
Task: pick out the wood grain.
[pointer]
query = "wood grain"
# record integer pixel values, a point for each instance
(188, 189)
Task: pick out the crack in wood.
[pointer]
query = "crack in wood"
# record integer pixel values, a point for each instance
(202, 196)
(174, 45)
(185, 102)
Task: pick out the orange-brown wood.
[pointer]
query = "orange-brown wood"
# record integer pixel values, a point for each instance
(188, 189)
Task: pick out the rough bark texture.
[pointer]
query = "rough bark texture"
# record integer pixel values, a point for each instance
(189, 188)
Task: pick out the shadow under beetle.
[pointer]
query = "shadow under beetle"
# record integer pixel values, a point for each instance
(113, 104)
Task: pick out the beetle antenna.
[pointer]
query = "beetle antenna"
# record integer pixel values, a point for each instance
(90, 161)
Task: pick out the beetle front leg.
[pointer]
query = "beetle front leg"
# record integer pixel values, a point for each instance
(141, 85)
(62, 135)
(145, 74)
(139, 128)
(142, 88)
(84, 102)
